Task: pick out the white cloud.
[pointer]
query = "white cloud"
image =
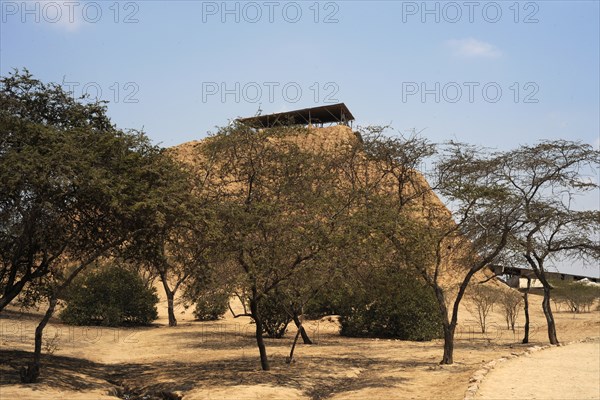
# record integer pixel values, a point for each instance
(473, 48)
(67, 16)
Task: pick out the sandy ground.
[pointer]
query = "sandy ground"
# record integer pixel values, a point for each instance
(566, 372)
(219, 360)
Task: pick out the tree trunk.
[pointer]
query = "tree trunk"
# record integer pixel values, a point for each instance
(449, 327)
(171, 309)
(301, 329)
(526, 306)
(31, 373)
(264, 361)
(549, 317)
(10, 293)
(538, 269)
(290, 359)
(170, 300)
(448, 357)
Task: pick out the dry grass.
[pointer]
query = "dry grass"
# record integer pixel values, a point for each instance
(220, 360)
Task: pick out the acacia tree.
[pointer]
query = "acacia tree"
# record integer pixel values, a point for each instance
(180, 253)
(74, 189)
(328, 271)
(485, 215)
(54, 192)
(578, 296)
(174, 245)
(446, 248)
(279, 207)
(545, 179)
(294, 295)
(510, 301)
(118, 218)
(482, 299)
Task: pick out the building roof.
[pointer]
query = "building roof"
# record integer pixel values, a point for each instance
(333, 113)
(528, 272)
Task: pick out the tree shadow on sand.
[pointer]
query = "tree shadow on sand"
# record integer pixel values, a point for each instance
(316, 377)
(65, 373)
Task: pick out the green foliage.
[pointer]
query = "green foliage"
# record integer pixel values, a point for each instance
(211, 306)
(72, 183)
(281, 207)
(111, 296)
(210, 289)
(393, 305)
(326, 302)
(275, 317)
(578, 296)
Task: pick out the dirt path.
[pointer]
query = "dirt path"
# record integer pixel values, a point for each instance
(568, 372)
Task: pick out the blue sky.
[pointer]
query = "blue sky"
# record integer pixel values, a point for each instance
(497, 74)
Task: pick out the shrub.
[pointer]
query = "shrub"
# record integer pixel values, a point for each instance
(327, 301)
(211, 306)
(482, 299)
(510, 301)
(393, 305)
(111, 296)
(274, 317)
(579, 296)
